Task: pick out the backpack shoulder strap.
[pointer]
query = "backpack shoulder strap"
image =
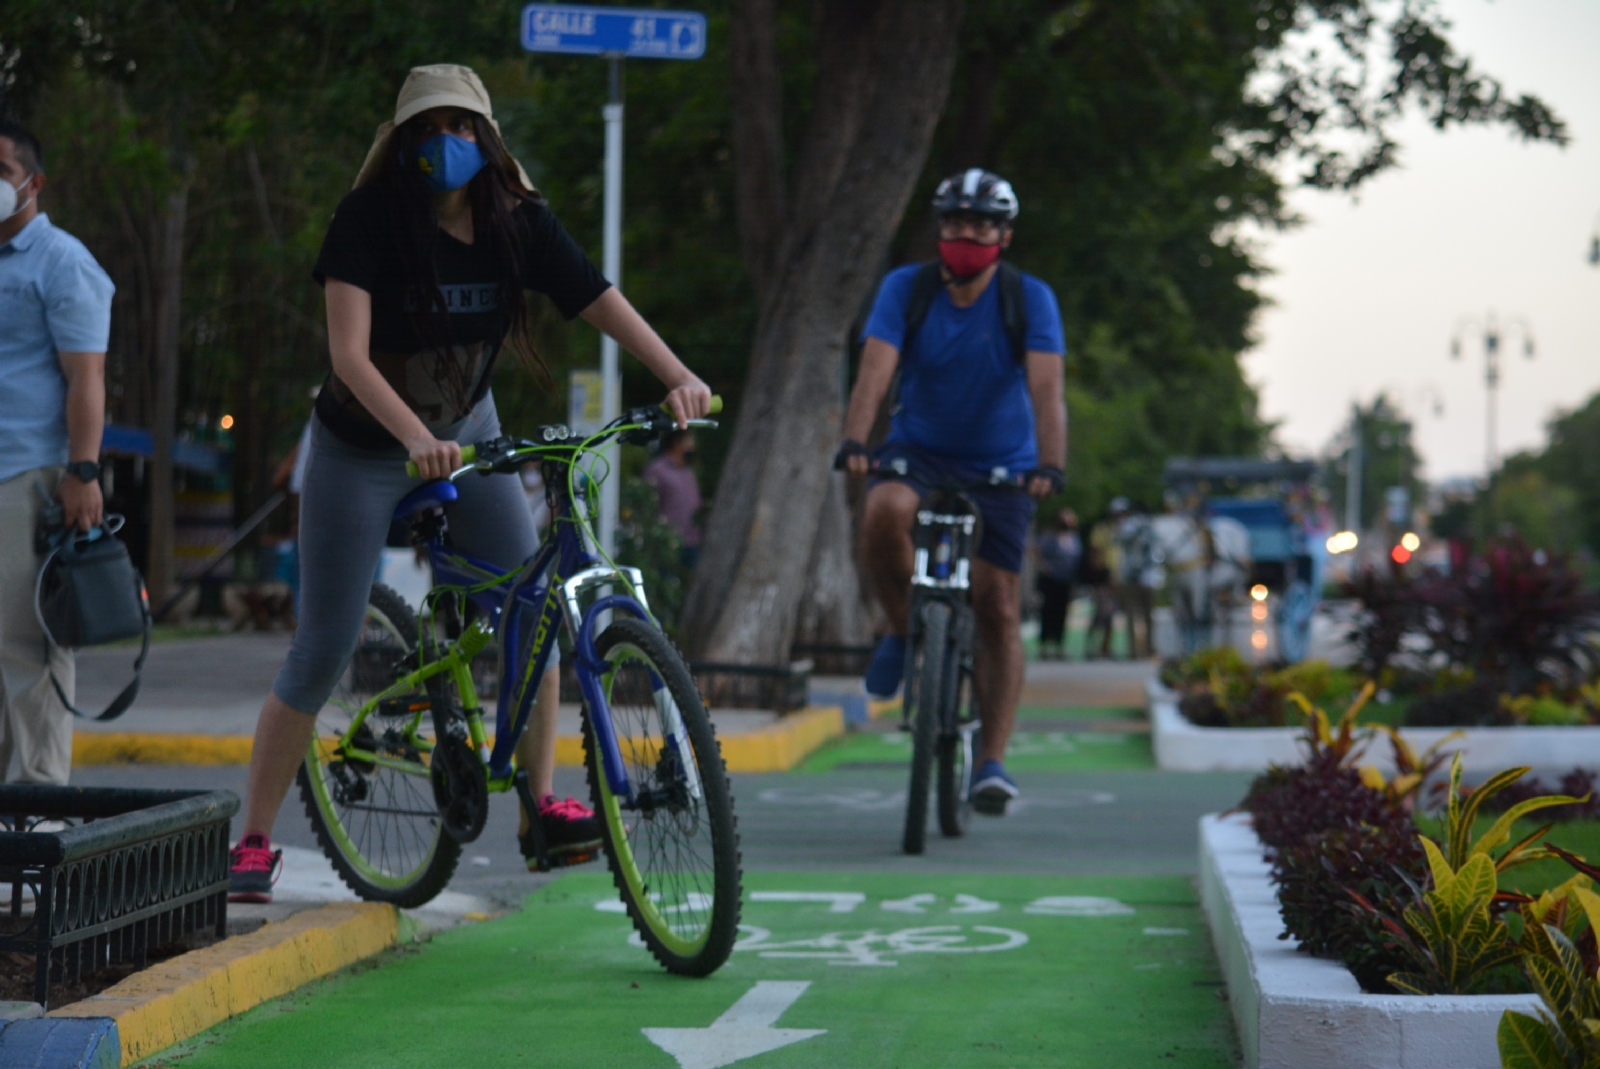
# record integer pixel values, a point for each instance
(1014, 310)
(925, 286)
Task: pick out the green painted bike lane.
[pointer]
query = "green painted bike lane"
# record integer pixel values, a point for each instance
(909, 970)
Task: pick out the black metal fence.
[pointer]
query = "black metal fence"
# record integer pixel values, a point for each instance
(117, 874)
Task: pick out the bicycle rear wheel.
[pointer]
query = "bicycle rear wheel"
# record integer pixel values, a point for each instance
(378, 823)
(928, 670)
(674, 849)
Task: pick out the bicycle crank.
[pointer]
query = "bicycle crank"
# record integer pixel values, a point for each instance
(460, 788)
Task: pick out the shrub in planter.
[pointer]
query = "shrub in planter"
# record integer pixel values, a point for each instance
(1383, 863)
(1579, 783)
(1218, 689)
(1567, 1031)
(1454, 936)
(1476, 704)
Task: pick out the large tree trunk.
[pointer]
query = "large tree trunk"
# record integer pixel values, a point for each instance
(164, 412)
(883, 71)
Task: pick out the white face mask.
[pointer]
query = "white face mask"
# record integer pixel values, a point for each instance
(8, 200)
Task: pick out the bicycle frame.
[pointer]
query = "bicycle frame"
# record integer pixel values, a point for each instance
(549, 586)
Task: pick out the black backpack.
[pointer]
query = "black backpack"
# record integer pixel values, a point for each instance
(925, 286)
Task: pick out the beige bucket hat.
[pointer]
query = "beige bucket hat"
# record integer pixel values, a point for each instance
(438, 85)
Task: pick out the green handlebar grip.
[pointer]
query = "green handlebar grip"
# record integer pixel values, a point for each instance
(716, 404)
(469, 453)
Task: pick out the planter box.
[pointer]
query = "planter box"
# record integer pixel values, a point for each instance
(139, 869)
(1294, 1011)
(1181, 746)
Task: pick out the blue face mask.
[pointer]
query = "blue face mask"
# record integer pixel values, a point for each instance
(448, 162)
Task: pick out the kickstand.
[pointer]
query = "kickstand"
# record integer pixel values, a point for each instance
(535, 834)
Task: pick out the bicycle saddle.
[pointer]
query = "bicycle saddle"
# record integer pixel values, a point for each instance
(432, 495)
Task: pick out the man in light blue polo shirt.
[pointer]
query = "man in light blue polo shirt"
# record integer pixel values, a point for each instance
(55, 321)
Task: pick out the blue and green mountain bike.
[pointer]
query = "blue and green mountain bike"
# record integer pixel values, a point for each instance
(400, 772)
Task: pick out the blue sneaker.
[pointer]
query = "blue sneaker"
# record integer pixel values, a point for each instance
(992, 789)
(887, 669)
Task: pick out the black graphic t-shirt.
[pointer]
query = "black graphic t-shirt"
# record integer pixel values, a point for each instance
(361, 249)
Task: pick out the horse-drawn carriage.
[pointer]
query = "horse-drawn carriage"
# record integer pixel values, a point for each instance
(1237, 524)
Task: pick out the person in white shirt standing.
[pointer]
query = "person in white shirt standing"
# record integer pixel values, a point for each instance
(55, 322)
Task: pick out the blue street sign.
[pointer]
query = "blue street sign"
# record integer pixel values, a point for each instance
(635, 32)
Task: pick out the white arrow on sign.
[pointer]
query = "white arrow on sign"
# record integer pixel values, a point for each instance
(743, 1032)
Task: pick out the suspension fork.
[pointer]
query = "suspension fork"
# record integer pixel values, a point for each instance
(591, 670)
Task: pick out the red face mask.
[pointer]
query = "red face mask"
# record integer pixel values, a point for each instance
(966, 258)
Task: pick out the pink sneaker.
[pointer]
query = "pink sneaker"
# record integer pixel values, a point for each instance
(571, 832)
(256, 867)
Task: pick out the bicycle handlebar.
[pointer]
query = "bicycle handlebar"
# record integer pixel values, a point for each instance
(563, 436)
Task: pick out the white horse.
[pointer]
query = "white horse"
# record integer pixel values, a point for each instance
(1206, 569)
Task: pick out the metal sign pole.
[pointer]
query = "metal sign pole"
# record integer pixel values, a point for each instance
(610, 373)
(612, 32)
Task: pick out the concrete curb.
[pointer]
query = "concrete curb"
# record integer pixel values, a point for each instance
(1181, 746)
(182, 997)
(777, 748)
(1294, 1011)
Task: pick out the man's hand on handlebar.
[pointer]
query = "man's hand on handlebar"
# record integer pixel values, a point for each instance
(1045, 482)
(692, 400)
(434, 459)
(853, 458)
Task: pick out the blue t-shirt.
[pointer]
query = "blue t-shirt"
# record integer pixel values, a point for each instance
(54, 298)
(963, 393)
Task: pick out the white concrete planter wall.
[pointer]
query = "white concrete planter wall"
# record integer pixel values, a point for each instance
(1294, 1011)
(1181, 746)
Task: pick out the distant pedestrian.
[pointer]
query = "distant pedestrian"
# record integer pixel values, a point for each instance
(1104, 574)
(55, 322)
(1060, 560)
(1136, 580)
(672, 475)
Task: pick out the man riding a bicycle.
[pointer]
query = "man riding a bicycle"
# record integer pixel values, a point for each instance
(974, 350)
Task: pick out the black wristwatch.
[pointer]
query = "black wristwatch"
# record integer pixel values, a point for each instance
(85, 471)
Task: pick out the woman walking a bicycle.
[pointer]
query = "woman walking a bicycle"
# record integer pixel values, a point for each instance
(425, 268)
(977, 348)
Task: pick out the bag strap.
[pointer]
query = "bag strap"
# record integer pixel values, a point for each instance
(1014, 310)
(121, 702)
(925, 286)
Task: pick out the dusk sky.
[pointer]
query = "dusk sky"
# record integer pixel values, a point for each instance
(1369, 291)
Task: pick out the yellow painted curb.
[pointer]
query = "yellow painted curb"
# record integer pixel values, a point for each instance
(773, 749)
(150, 748)
(182, 997)
(877, 710)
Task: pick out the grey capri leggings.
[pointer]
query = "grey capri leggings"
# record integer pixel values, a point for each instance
(345, 507)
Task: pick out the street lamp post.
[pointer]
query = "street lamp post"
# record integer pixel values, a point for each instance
(1491, 334)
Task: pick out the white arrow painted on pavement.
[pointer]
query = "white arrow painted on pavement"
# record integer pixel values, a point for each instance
(743, 1032)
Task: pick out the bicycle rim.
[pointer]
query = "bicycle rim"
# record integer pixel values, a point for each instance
(379, 825)
(675, 853)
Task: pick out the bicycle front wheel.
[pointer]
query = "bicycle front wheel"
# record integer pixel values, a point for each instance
(674, 847)
(928, 668)
(377, 820)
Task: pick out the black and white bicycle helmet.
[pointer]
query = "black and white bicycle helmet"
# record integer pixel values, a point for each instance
(978, 191)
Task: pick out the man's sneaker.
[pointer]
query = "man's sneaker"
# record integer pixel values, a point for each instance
(255, 868)
(571, 832)
(992, 789)
(887, 669)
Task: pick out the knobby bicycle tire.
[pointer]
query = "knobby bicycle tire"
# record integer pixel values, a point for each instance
(955, 768)
(408, 863)
(928, 660)
(687, 917)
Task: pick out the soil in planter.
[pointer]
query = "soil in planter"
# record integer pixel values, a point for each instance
(16, 971)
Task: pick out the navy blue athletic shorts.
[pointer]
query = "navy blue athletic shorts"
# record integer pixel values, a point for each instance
(1006, 513)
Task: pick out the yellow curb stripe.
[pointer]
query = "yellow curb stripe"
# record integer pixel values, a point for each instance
(146, 748)
(182, 997)
(772, 749)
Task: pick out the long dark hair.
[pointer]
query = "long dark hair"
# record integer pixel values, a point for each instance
(495, 193)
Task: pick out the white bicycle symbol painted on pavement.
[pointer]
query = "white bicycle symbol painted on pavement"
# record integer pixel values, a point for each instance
(872, 947)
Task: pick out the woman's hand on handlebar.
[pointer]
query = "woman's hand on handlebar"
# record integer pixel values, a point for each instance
(691, 400)
(434, 459)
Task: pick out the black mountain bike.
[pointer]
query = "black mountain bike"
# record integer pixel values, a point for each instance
(941, 708)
